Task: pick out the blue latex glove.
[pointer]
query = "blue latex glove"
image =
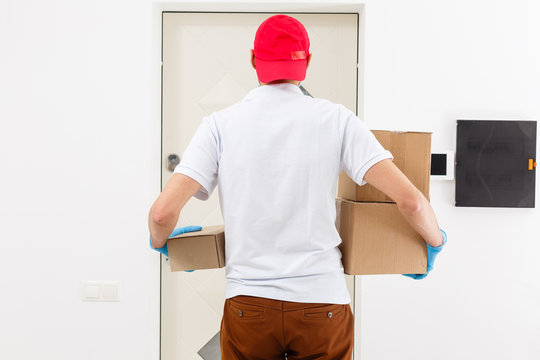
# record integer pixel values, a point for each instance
(176, 232)
(431, 254)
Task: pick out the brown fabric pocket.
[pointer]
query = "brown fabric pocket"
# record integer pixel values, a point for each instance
(325, 311)
(243, 311)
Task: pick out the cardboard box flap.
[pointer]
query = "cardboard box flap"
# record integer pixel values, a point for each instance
(412, 155)
(206, 230)
(403, 131)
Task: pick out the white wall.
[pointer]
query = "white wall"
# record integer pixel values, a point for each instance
(79, 149)
(429, 63)
(80, 168)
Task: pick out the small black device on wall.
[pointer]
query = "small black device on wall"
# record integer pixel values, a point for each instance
(495, 163)
(442, 165)
(438, 164)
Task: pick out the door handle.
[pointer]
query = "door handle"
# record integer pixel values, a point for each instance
(172, 161)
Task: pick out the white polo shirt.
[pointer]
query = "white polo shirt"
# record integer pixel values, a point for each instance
(276, 156)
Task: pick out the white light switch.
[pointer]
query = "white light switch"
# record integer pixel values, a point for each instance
(91, 291)
(101, 291)
(111, 291)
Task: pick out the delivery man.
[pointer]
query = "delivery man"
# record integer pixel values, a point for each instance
(276, 156)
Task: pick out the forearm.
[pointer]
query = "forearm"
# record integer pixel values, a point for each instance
(423, 220)
(166, 209)
(160, 227)
(412, 204)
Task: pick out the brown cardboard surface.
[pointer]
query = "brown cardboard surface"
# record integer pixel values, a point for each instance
(378, 240)
(412, 155)
(197, 250)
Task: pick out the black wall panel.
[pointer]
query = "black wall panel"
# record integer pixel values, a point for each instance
(493, 163)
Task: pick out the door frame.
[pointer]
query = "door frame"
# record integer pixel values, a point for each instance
(242, 6)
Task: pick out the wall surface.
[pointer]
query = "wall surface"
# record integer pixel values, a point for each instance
(427, 64)
(80, 169)
(79, 149)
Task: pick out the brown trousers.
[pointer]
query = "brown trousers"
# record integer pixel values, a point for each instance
(255, 328)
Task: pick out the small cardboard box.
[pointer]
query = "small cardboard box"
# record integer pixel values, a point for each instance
(197, 250)
(412, 155)
(378, 240)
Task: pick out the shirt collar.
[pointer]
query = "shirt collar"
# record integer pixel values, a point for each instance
(273, 88)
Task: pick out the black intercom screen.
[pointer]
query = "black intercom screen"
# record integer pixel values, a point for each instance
(438, 164)
(493, 160)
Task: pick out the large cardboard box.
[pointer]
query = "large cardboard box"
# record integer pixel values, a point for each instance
(197, 250)
(378, 240)
(412, 155)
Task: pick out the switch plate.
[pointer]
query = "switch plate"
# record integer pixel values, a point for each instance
(101, 290)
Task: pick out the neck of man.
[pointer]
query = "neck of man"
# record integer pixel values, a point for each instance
(295, 82)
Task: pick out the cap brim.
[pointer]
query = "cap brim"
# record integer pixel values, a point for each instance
(270, 70)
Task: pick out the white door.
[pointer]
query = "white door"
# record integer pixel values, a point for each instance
(206, 67)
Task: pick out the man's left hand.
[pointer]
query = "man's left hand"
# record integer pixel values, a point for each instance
(176, 232)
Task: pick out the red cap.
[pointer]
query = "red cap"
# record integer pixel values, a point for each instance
(281, 48)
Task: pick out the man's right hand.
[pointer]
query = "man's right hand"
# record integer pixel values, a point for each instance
(432, 254)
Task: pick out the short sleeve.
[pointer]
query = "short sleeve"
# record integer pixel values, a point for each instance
(360, 149)
(200, 160)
